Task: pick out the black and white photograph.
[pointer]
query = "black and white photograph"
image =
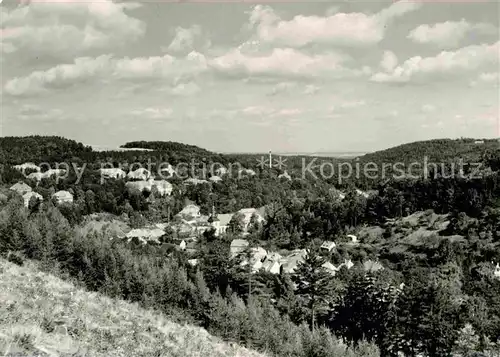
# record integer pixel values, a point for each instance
(244, 178)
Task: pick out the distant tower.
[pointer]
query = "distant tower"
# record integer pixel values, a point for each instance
(270, 159)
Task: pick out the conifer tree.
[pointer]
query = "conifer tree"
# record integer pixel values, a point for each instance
(313, 283)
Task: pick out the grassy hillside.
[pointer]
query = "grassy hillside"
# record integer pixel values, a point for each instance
(43, 315)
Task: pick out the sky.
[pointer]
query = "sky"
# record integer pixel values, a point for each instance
(245, 77)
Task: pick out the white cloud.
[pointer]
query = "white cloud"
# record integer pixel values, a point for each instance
(311, 89)
(490, 77)
(295, 88)
(67, 28)
(449, 33)
(282, 62)
(153, 113)
(187, 40)
(185, 89)
(268, 112)
(352, 104)
(257, 110)
(36, 112)
(287, 112)
(389, 61)
(486, 78)
(106, 67)
(428, 108)
(352, 29)
(283, 87)
(466, 59)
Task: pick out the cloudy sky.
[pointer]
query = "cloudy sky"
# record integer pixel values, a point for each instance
(295, 77)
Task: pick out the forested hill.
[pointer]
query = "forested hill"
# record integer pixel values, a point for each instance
(437, 150)
(167, 146)
(15, 149)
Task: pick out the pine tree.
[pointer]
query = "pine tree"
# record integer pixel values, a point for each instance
(313, 283)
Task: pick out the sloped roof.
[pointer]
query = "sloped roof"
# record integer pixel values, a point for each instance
(63, 194)
(190, 209)
(194, 181)
(328, 245)
(225, 218)
(237, 246)
(27, 197)
(146, 234)
(141, 174)
(21, 188)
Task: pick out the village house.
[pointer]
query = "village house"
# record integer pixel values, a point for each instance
(215, 179)
(28, 195)
(237, 247)
(285, 175)
(139, 174)
(220, 223)
(169, 171)
(332, 269)
(221, 171)
(191, 210)
(164, 188)
(327, 246)
(293, 260)
(38, 176)
(145, 234)
(63, 197)
(194, 181)
(112, 173)
(352, 239)
(271, 266)
(248, 172)
(247, 216)
(21, 188)
(26, 166)
(496, 273)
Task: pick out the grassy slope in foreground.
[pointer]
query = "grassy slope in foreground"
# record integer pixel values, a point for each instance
(36, 310)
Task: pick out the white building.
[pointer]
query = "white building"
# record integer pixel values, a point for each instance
(496, 273)
(169, 171)
(327, 246)
(353, 239)
(190, 210)
(215, 179)
(38, 176)
(26, 166)
(238, 246)
(221, 223)
(285, 175)
(247, 216)
(139, 174)
(144, 234)
(194, 181)
(63, 197)
(112, 173)
(21, 188)
(28, 195)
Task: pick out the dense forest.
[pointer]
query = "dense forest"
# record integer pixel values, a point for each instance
(437, 294)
